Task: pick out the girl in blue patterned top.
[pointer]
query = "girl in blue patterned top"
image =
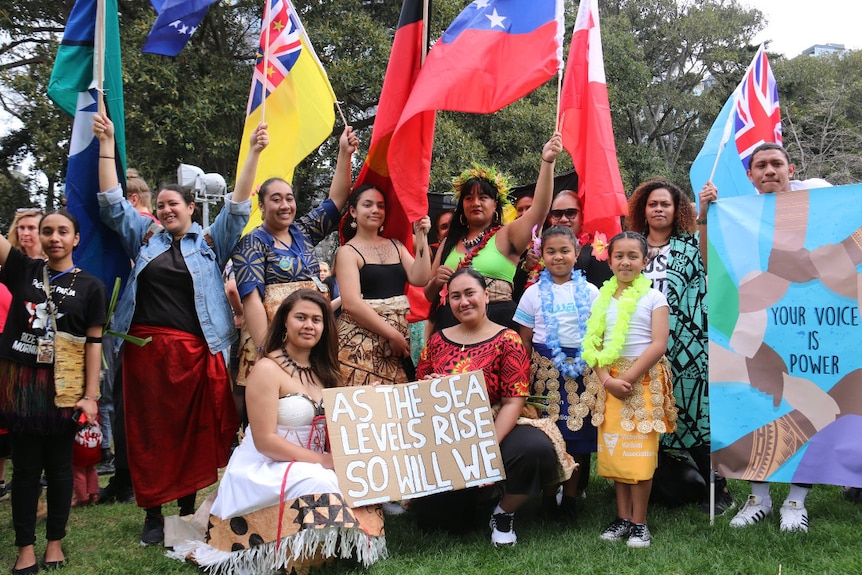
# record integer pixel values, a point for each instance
(553, 315)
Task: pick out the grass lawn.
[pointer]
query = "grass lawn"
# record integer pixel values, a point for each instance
(103, 540)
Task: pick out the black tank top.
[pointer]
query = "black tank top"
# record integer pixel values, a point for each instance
(379, 281)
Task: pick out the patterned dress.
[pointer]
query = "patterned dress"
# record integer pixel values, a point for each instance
(687, 352)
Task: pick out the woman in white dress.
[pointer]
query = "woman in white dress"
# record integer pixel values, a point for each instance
(278, 503)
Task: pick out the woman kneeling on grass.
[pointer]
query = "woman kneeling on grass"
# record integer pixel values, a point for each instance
(533, 451)
(278, 504)
(629, 390)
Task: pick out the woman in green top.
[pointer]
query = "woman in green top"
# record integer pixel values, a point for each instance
(479, 238)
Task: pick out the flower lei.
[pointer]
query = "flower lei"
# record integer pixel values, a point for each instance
(593, 353)
(468, 259)
(576, 366)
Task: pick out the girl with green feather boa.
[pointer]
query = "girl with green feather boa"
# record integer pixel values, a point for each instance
(629, 389)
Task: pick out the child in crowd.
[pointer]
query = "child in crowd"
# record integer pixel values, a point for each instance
(86, 453)
(553, 316)
(629, 389)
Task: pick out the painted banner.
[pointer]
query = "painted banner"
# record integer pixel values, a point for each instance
(398, 442)
(785, 371)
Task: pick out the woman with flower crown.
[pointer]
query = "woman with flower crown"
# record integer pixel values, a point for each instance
(553, 315)
(629, 389)
(480, 238)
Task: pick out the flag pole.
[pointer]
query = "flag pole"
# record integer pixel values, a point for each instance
(341, 113)
(426, 17)
(725, 137)
(266, 22)
(559, 97)
(99, 55)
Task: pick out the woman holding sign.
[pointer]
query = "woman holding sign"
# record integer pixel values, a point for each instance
(533, 453)
(279, 498)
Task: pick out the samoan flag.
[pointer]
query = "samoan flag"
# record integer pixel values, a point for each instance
(175, 24)
(751, 116)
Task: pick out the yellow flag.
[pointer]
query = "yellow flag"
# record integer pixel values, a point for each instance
(299, 104)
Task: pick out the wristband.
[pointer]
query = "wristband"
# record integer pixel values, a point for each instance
(106, 157)
(90, 339)
(700, 221)
(97, 398)
(549, 161)
(605, 381)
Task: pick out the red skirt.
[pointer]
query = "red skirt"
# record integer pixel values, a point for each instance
(180, 414)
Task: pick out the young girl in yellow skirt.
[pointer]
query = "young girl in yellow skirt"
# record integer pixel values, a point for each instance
(629, 390)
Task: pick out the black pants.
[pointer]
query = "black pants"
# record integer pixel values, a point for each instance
(32, 453)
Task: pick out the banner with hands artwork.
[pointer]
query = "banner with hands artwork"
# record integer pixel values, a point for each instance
(785, 288)
(399, 442)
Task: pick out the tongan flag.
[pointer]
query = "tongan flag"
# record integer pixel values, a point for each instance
(750, 117)
(300, 103)
(493, 53)
(588, 133)
(175, 24)
(414, 141)
(73, 88)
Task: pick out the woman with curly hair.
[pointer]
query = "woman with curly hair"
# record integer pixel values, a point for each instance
(660, 210)
(479, 238)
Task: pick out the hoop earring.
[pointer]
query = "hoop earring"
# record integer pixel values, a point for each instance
(496, 218)
(463, 220)
(353, 224)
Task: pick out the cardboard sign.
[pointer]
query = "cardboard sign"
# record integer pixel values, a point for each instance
(397, 442)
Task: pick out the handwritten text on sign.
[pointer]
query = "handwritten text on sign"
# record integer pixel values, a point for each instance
(395, 442)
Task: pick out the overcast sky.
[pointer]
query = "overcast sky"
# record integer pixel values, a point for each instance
(794, 25)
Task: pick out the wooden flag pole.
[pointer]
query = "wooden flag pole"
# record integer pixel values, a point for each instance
(99, 55)
(426, 19)
(341, 113)
(268, 23)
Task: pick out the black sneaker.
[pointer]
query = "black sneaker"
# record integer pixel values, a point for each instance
(723, 502)
(617, 531)
(111, 493)
(106, 468)
(154, 531)
(5, 491)
(503, 529)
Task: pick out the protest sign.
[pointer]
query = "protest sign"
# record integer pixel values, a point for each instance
(785, 372)
(397, 442)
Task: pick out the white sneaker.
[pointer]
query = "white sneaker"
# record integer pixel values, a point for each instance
(503, 529)
(639, 536)
(753, 511)
(794, 517)
(393, 508)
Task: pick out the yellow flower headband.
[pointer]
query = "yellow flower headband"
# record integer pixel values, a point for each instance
(479, 172)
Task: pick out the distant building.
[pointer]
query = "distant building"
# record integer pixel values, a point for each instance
(821, 49)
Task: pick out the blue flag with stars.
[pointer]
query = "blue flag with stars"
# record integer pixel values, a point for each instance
(175, 24)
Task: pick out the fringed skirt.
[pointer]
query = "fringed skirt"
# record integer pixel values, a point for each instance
(366, 356)
(27, 400)
(629, 429)
(252, 530)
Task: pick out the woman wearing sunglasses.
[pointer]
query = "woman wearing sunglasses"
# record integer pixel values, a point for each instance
(566, 211)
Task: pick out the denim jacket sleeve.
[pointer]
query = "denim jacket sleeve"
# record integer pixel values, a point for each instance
(227, 228)
(119, 215)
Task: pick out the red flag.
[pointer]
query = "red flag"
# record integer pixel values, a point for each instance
(414, 140)
(588, 133)
(493, 53)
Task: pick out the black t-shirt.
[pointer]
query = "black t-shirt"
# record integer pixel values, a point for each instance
(80, 299)
(166, 294)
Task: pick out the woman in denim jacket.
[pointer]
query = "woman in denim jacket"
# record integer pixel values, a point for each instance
(176, 387)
